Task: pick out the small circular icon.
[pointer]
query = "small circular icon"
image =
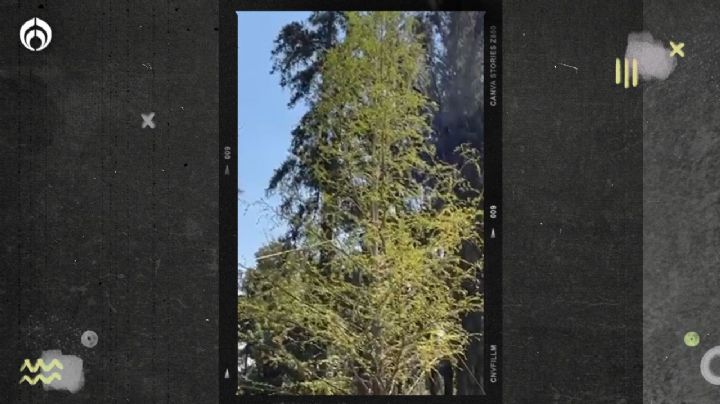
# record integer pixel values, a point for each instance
(89, 339)
(692, 339)
(705, 370)
(35, 34)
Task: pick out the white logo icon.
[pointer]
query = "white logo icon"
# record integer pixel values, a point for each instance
(35, 28)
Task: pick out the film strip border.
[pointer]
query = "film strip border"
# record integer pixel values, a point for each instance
(493, 204)
(228, 215)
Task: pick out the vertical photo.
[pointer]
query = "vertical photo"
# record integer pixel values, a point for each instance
(360, 203)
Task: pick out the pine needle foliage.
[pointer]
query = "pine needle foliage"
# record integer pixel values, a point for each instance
(371, 306)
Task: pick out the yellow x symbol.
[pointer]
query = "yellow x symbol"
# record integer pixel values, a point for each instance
(677, 48)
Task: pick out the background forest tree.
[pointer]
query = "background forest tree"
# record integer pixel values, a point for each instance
(377, 284)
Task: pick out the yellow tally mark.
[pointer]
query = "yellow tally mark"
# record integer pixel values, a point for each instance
(623, 72)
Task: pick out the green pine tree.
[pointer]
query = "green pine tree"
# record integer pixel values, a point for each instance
(369, 296)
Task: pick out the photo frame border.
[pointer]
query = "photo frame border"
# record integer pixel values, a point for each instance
(228, 206)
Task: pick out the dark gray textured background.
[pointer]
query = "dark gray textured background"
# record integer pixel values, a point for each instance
(113, 228)
(572, 192)
(681, 212)
(107, 226)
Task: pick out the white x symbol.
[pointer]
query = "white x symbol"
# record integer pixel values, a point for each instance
(148, 120)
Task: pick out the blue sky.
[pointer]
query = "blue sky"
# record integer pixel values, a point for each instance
(264, 126)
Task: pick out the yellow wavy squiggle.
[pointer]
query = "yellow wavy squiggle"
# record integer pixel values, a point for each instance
(45, 380)
(41, 364)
